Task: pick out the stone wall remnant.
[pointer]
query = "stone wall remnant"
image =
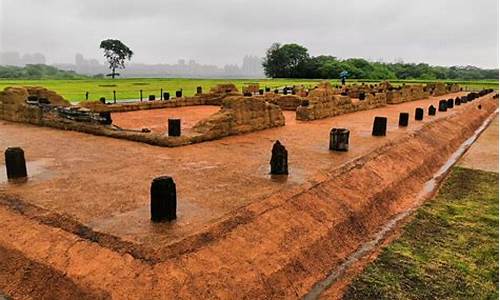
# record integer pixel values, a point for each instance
(240, 115)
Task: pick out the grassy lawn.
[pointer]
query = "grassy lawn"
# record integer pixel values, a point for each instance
(128, 88)
(449, 251)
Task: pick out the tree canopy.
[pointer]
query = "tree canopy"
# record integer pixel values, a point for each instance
(293, 61)
(37, 72)
(116, 53)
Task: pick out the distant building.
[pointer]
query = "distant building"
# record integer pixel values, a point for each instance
(251, 67)
(13, 58)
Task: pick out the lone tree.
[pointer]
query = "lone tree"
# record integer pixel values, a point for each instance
(285, 61)
(116, 53)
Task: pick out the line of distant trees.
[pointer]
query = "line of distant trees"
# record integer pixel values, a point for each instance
(294, 61)
(37, 71)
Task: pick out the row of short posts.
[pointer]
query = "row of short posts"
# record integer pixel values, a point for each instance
(163, 95)
(163, 190)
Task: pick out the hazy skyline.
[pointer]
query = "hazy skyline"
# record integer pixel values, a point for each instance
(441, 32)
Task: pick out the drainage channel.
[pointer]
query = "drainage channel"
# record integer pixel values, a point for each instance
(427, 191)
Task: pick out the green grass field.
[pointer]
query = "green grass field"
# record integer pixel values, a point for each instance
(128, 88)
(449, 251)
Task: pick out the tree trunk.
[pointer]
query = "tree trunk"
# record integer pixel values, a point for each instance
(113, 74)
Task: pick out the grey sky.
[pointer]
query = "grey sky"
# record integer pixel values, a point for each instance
(440, 32)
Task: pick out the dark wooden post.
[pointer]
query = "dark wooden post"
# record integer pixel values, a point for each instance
(141, 95)
(15, 163)
(199, 90)
(403, 119)
(152, 97)
(450, 103)
(339, 139)
(163, 199)
(166, 96)
(174, 127)
(379, 126)
(432, 110)
(279, 159)
(86, 95)
(443, 105)
(102, 100)
(114, 96)
(161, 94)
(419, 114)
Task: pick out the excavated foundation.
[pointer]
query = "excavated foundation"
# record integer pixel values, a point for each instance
(276, 247)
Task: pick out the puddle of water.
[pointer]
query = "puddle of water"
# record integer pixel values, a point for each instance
(37, 170)
(427, 191)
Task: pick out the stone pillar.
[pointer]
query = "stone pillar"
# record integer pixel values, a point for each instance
(267, 89)
(247, 94)
(261, 92)
(15, 163)
(102, 100)
(174, 127)
(279, 159)
(450, 103)
(463, 99)
(443, 105)
(457, 101)
(152, 97)
(339, 139)
(166, 96)
(285, 91)
(199, 90)
(379, 126)
(403, 119)
(362, 96)
(419, 114)
(163, 199)
(178, 94)
(432, 110)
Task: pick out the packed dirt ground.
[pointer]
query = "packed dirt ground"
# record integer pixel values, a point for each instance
(156, 119)
(47, 220)
(74, 171)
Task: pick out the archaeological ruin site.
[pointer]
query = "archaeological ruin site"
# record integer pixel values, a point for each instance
(253, 193)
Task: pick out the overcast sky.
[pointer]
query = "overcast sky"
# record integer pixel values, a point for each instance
(439, 32)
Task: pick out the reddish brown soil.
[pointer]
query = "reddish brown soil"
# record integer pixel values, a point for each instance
(253, 236)
(156, 119)
(74, 172)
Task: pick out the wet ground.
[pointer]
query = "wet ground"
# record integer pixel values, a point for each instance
(104, 182)
(483, 155)
(156, 119)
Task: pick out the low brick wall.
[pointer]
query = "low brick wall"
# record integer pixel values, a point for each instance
(241, 115)
(323, 102)
(203, 99)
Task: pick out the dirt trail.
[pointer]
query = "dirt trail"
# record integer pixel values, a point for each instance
(483, 155)
(277, 246)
